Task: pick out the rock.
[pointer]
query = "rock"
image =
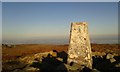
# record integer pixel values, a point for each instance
(95, 70)
(109, 56)
(53, 53)
(71, 68)
(12, 65)
(18, 70)
(31, 58)
(112, 60)
(117, 65)
(60, 59)
(31, 69)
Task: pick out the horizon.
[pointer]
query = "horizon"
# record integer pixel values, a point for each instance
(25, 22)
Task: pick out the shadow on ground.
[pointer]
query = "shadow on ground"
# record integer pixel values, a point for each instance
(52, 64)
(13, 66)
(100, 64)
(105, 65)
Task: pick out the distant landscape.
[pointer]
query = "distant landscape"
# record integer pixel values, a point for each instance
(58, 41)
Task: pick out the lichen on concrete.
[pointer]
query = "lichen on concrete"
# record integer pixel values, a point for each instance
(79, 48)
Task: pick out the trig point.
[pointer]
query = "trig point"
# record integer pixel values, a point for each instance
(79, 51)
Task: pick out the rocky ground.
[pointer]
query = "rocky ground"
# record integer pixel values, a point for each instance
(52, 58)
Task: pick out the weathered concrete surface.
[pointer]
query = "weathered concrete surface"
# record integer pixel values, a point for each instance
(79, 50)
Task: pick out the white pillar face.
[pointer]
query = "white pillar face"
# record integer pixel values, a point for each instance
(79, 48)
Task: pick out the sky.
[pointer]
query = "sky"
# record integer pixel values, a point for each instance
(59, 0)
(49, 22)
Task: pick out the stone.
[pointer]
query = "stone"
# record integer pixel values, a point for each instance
(18, 70)
(31, 69)
(112, 60)
(60, 59)
(29, 59)
(109, 56)
(117, 65)
(95, 70)
(71, 68)
(79, 50)
(13, 65)
(54, 54)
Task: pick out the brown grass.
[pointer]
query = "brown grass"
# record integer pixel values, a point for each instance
(26, 49)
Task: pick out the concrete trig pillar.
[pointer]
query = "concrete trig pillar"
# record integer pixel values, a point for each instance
(79, 51)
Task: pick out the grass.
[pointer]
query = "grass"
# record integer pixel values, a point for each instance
(27, 49)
